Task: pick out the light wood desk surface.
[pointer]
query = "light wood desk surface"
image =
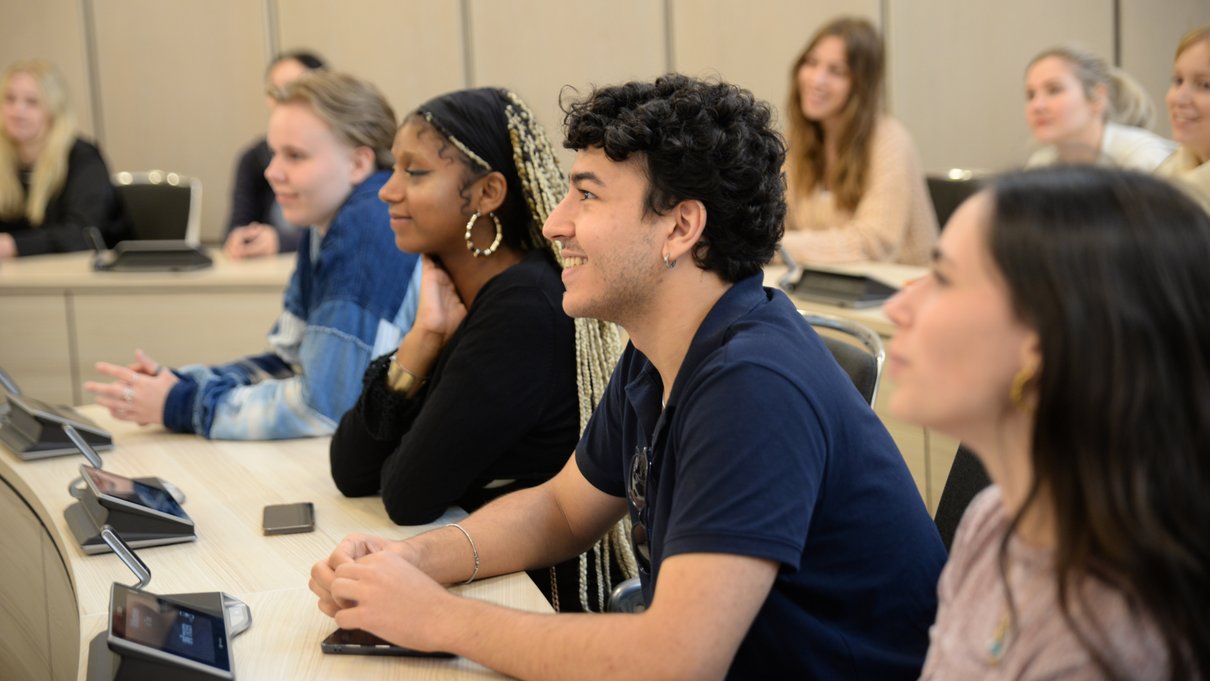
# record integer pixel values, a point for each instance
(227, 484)
(58, 317)
(74, 272)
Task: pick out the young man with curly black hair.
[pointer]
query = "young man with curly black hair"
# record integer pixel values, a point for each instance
(777, 530)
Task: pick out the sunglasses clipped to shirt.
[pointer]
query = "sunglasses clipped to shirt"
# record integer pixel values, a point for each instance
(636, 492)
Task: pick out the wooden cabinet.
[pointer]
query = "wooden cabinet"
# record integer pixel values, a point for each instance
(39, 627)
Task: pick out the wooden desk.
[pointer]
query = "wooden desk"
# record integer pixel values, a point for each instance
(54, 598)
(928, 454)
(60, 317)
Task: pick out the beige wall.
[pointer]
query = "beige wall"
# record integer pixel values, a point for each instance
(956, 72)
(179, 83)
(410, 49)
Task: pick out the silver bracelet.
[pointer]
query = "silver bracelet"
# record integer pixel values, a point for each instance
(474, 550)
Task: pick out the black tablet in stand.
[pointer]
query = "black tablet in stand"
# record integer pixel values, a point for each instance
(33, 429)
(146, 510)
(153, 256)
(119, 661)
(143, 510)
(832, 288)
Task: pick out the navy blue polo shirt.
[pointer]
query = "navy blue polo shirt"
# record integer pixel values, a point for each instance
(766, 449)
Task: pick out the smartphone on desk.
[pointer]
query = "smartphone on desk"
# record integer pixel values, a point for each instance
(358, 642)
(289, 518)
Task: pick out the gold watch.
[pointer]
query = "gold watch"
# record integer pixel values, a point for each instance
(401, 380)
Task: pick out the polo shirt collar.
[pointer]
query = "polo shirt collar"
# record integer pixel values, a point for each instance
(743, 296)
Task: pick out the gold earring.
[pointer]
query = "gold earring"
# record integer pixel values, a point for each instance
(470, 245)
(1016, 391)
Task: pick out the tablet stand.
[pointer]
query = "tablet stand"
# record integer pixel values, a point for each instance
(106, 665)
(34, 430)
(153, 256)
(138, 528)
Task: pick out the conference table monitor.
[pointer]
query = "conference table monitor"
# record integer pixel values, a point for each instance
(159, 637)
(141, 510)
(153, 256)
(832, 288)
(32, 429)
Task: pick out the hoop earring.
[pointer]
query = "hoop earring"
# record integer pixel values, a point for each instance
(1016, 391)
(668, 264)
(470, 245)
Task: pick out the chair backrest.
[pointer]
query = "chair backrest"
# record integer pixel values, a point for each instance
(949, 191)
(966, 479)
(862, 364)
(161, 205)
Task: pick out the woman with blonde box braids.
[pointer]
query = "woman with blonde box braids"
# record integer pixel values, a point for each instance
(490, 389)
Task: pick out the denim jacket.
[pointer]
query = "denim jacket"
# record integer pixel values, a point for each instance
(351, 298)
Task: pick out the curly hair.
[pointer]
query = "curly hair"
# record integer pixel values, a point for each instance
(698, 140)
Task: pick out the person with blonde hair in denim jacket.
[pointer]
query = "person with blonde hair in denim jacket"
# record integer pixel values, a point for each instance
(351, 298)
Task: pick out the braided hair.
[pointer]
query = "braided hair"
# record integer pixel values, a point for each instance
(536, 184)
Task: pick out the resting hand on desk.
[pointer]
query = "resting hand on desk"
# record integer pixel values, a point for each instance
(354, 546)
(139, 391)
(251, 241)
(8, 246)
(378, 587)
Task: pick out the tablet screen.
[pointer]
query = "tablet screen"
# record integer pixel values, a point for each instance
(165, 630)
(132, 491)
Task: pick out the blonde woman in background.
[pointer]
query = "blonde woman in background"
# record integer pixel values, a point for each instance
(1189, 108)
(855, 187)
(53, 185)
(1084, 111)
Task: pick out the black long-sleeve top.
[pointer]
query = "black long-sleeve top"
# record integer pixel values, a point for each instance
(252, 199)
(499, 405)
(87, 199)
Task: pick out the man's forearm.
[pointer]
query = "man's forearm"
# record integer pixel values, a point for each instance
(524, 530)
(535, 646)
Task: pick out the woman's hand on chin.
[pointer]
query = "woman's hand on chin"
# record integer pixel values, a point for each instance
(440, 310)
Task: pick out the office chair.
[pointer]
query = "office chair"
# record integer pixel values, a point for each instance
(864, 368)
(161, 205)
(950, 190)
(966, 479)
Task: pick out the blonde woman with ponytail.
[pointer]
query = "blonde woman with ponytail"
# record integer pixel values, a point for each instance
(1082, 110)
(53, 185)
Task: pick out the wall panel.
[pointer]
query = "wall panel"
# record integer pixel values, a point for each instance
(956, 71)
(181, 86)
(752, 44)
(410, 49)
(536, 47)
(35, 343)
(52, 30)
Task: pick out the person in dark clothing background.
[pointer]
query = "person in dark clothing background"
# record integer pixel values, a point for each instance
(256, 226)
(54, 186)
